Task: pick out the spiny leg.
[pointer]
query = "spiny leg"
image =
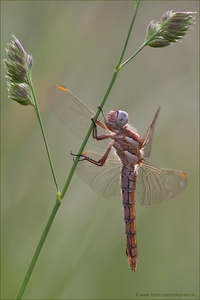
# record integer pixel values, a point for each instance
(100, 162)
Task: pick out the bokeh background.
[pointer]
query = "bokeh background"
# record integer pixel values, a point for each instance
(78, 43)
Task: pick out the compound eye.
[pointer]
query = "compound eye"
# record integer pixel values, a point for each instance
(122, 118)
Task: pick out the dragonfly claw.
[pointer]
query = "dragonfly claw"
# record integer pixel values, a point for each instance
(99, 107)
(94, 123)
(80, 155)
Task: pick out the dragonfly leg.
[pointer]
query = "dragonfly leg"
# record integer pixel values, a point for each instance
(104, 117)
(95, 134)
(94, 131)
(98, 163)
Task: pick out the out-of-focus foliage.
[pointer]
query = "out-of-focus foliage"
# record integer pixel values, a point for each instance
(77, 43)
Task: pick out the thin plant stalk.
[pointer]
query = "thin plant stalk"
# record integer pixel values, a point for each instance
(38, 250)
(44, 136)
(61, 195)
(117, 69)
(136, 52)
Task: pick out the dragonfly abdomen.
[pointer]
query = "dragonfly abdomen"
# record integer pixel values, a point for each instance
(128, 185)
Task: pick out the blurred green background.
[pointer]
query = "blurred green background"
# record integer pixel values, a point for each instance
(78, 43)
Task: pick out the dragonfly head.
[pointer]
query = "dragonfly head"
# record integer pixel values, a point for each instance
(117, 119)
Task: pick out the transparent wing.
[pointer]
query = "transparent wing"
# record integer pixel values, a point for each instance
(104, 180)
(72, 112)
(156, 185)
(147, 141)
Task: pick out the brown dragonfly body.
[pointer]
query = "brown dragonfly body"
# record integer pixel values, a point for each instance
(140, 179)
(128, 186)
(129, 148)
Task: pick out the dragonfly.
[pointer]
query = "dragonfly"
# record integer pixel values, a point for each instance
(140, 179)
